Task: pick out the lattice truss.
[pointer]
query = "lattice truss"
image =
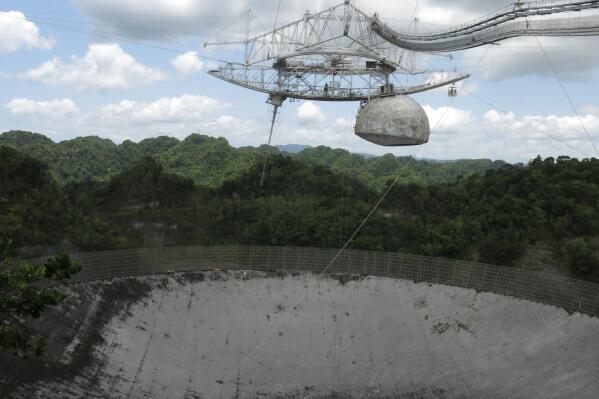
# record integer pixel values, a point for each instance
(343, 54)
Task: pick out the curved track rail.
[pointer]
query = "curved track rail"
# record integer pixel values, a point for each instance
(521, 19)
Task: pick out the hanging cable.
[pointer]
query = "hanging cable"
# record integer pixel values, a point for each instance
(345, 182)
(274, 27)
(413, 15)
(494, 106)
(272, 127)
(276, 106)
(409, 30)
(561, 84)
(121, 38)
(340, 251)
(78, 25)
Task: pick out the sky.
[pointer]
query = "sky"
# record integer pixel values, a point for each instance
(133, 69)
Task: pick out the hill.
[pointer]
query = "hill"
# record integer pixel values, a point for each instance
(377, 171)
(498, 217)
(211, 161)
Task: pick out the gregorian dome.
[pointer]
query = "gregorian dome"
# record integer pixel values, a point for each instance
(393, 121)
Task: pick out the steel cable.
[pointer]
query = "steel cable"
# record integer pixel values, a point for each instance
(321, 274)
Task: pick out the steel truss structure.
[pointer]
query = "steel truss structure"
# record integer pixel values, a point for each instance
(343, 54)
(333, 55)
(521, 19)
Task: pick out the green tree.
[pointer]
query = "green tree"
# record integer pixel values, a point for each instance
(503, 247)
(582, 260)
(23, 295)
(210, 161)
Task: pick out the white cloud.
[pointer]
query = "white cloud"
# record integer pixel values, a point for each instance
(158, 19)
(448, 119)
(506, 135)
(590, 110)
(134, 120)
(53, 108)
(315, 128)
(443, 15)
(495, 116)
(543, 127)
(326, 136)
(104, 66)
(17, 32)
(216, 20)
(162, 19)
(174, 116)
(310, 113)
(238, 130)
(186, 108)
(460, 134)
(187, 64)
(476, 7)
(573, 58)
(344, 123)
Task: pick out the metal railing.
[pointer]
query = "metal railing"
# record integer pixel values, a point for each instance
(569, 294)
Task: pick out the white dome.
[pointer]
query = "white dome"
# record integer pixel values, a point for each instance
(393, 121)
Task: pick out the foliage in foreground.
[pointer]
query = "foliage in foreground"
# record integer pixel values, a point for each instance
(22, 296)
(581, 259)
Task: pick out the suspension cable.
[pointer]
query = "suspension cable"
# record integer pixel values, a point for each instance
(561, 84)
(118, 37)
(494, 106)
(341, 250)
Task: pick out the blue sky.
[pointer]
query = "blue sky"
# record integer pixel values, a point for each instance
(110, 80)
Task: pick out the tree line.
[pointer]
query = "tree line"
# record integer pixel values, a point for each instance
(495, 217)
(210, 161)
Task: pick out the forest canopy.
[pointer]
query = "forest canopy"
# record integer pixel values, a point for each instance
(210, 161)
(504, 215)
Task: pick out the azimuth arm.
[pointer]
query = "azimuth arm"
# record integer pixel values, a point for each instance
(504, 24)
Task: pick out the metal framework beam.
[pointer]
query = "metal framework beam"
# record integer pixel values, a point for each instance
(521, 19)
(332, 55)
(342, 54)
(306, 85)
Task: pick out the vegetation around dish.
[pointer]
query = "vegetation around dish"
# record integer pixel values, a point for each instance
(499, 216)
(22, 297)
(210, 161)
